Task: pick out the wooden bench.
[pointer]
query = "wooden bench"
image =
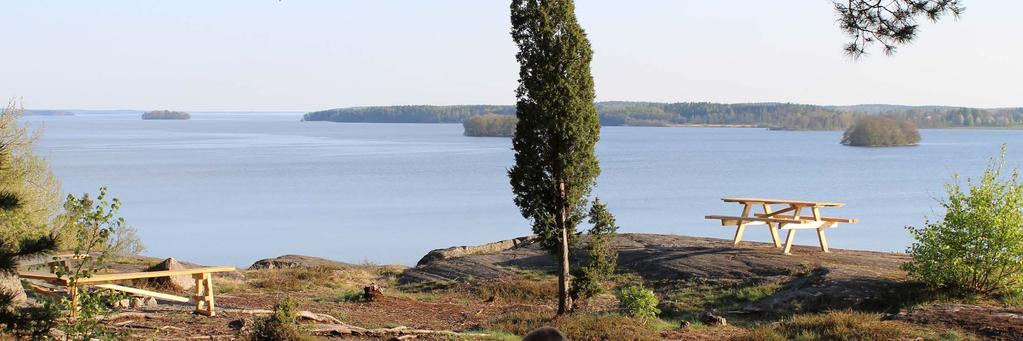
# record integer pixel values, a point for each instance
(785, 219)
(203, 297)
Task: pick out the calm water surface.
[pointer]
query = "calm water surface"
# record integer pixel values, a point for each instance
(230, 189)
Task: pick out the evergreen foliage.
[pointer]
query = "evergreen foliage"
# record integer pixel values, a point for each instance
(603, 254)
(27, 177)
(889, 23)
(555, 163)
(977, 247)
(490, 125)
(881, 132)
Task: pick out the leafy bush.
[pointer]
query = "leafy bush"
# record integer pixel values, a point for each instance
(843, 326)
(84, 217)
(637, 301)
(977, 247)
(281, 325)
(873, 131)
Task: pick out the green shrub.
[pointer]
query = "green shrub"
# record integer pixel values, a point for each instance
(637, 301)
(281, 325)
(977, 247)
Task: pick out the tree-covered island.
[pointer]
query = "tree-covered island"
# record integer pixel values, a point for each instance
(490, 125)
(881, 132)
(166, 115)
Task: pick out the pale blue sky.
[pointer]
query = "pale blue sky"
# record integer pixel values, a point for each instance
(310, 55)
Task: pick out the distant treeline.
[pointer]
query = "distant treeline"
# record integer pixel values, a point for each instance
(490, 125)
(785, 116)
(165, 115)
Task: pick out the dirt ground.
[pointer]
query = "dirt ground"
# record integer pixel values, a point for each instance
(456, 294)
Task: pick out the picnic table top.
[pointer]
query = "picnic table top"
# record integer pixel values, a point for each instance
(101, 278)
(784, 201)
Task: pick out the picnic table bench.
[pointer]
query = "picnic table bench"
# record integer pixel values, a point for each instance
(203, 276)
(789, 218)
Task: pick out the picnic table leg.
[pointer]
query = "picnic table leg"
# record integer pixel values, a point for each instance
(820, 235)
(792, 232)
(772, 227)
(204, 294)
(788, 241)
(742, 224)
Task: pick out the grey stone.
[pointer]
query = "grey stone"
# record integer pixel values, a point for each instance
(179, 283)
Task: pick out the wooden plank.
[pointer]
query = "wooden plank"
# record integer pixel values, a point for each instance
(153, 294)
(749, 219)
(152, 274)
(44, 277)
(808, 225)
(829, 219)
(784, 201)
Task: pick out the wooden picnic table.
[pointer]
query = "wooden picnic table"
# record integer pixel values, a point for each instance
(203, 297)
(789, 218)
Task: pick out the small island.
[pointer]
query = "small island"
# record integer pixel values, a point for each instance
(166, 115)
(490, 125)
(873, 131)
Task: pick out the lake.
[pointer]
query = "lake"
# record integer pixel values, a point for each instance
(232, 188)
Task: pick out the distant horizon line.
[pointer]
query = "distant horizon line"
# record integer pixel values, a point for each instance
(512, 104)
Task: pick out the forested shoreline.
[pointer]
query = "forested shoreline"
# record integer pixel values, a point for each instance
(782, 116)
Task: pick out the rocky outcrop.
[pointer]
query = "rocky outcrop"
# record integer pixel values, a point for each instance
(295, 261)
(11, 285)
(177, 283)
(809, 280)
(462, 251)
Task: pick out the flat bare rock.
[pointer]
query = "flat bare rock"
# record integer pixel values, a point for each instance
(296, 261)
(809, 279)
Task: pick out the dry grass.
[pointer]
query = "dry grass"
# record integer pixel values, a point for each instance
(844, 325)
(580, 326)
(322, 278)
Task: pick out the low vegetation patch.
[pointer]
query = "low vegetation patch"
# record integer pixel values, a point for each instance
(842, 325)
(281, 325)
(687, 300)
(580, 326)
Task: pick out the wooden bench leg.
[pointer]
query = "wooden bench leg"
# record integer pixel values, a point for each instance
(742, 225)
(772, 227)
(788, 241)
(824, 241)
(738, 233)
(204, 294)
